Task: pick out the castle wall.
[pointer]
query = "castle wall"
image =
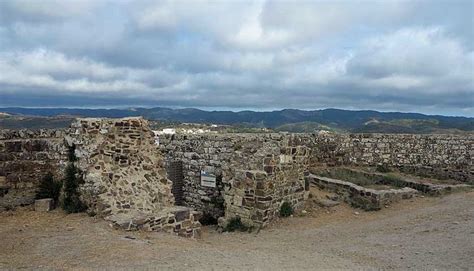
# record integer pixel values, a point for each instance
(437, 156)
(245, 163)
(25, 157)
(122, 166)
(255, 173)
(125, 178)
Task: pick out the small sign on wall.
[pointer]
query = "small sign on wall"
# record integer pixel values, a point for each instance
(208, 179)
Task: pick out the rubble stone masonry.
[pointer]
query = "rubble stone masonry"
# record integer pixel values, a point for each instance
(122, 167)
(125, 178)
(438, 156)
(251, 174)
(255, 173)
(25, 157)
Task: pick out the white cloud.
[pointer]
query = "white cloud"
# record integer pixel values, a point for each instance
(26, 10)
(260, 54)
(52, 70)
(415, 59)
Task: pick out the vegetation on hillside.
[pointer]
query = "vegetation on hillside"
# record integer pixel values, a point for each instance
(290, 120)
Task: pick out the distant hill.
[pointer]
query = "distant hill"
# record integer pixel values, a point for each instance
(283, 120)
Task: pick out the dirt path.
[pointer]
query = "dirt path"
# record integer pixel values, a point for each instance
(423, 233)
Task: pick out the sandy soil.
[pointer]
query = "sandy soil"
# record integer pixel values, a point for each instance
(421, 233)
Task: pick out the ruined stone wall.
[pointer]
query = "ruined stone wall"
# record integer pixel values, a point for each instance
(121, 161)
(122, 167)
(255, 173)
(125, 178)
(438, 156)
(211, 153)
(25, 157)
(361, 197)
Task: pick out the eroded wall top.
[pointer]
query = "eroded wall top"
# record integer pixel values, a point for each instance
(25, 157)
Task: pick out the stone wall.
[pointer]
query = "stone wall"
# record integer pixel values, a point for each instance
(123, 170)
(245, 163)
(438, 156)
(25, 157)
(255, 173)
(361, 197)
(125, 178)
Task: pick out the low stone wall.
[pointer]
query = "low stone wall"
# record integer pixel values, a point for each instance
(181, 221)
(437, 156)
(256, 196)
(363, 178)
(25, 158)
(464, 175)
(361, 197)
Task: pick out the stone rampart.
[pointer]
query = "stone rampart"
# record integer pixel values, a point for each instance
(125, 178)
(249, 175)
(122, 167)
(437, 156)
(25, 157)
(254, 173)
(271, 159)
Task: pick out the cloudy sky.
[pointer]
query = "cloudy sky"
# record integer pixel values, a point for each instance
(385, 55)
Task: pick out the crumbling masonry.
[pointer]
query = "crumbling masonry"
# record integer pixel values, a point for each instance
(137, 184)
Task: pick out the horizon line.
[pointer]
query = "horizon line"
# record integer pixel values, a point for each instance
(213, 109)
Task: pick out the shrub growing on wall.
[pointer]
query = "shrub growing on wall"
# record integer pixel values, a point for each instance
(71, 154)
(71, 200)
(286, 209)
(49, 188)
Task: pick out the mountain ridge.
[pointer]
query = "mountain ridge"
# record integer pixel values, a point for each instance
(337, 119)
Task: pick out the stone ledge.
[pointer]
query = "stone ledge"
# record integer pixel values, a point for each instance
(177, 220)
(358, 196)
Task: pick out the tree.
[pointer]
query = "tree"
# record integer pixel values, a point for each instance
(71, 200)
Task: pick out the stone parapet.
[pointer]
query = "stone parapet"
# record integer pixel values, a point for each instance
(26, 156)
(361, 197)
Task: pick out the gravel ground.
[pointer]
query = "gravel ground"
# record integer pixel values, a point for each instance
(421, 233)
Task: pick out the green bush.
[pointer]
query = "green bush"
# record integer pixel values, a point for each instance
(71, 201)
(71, 154)
(49, 188)
(286, 210)
(235, 224)
(393, 180)
(383, 168)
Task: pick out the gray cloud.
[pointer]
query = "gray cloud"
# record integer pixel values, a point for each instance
(385, 55)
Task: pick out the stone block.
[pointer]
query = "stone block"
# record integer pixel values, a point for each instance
(181, 215)
(196, 215)
(44, 205)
